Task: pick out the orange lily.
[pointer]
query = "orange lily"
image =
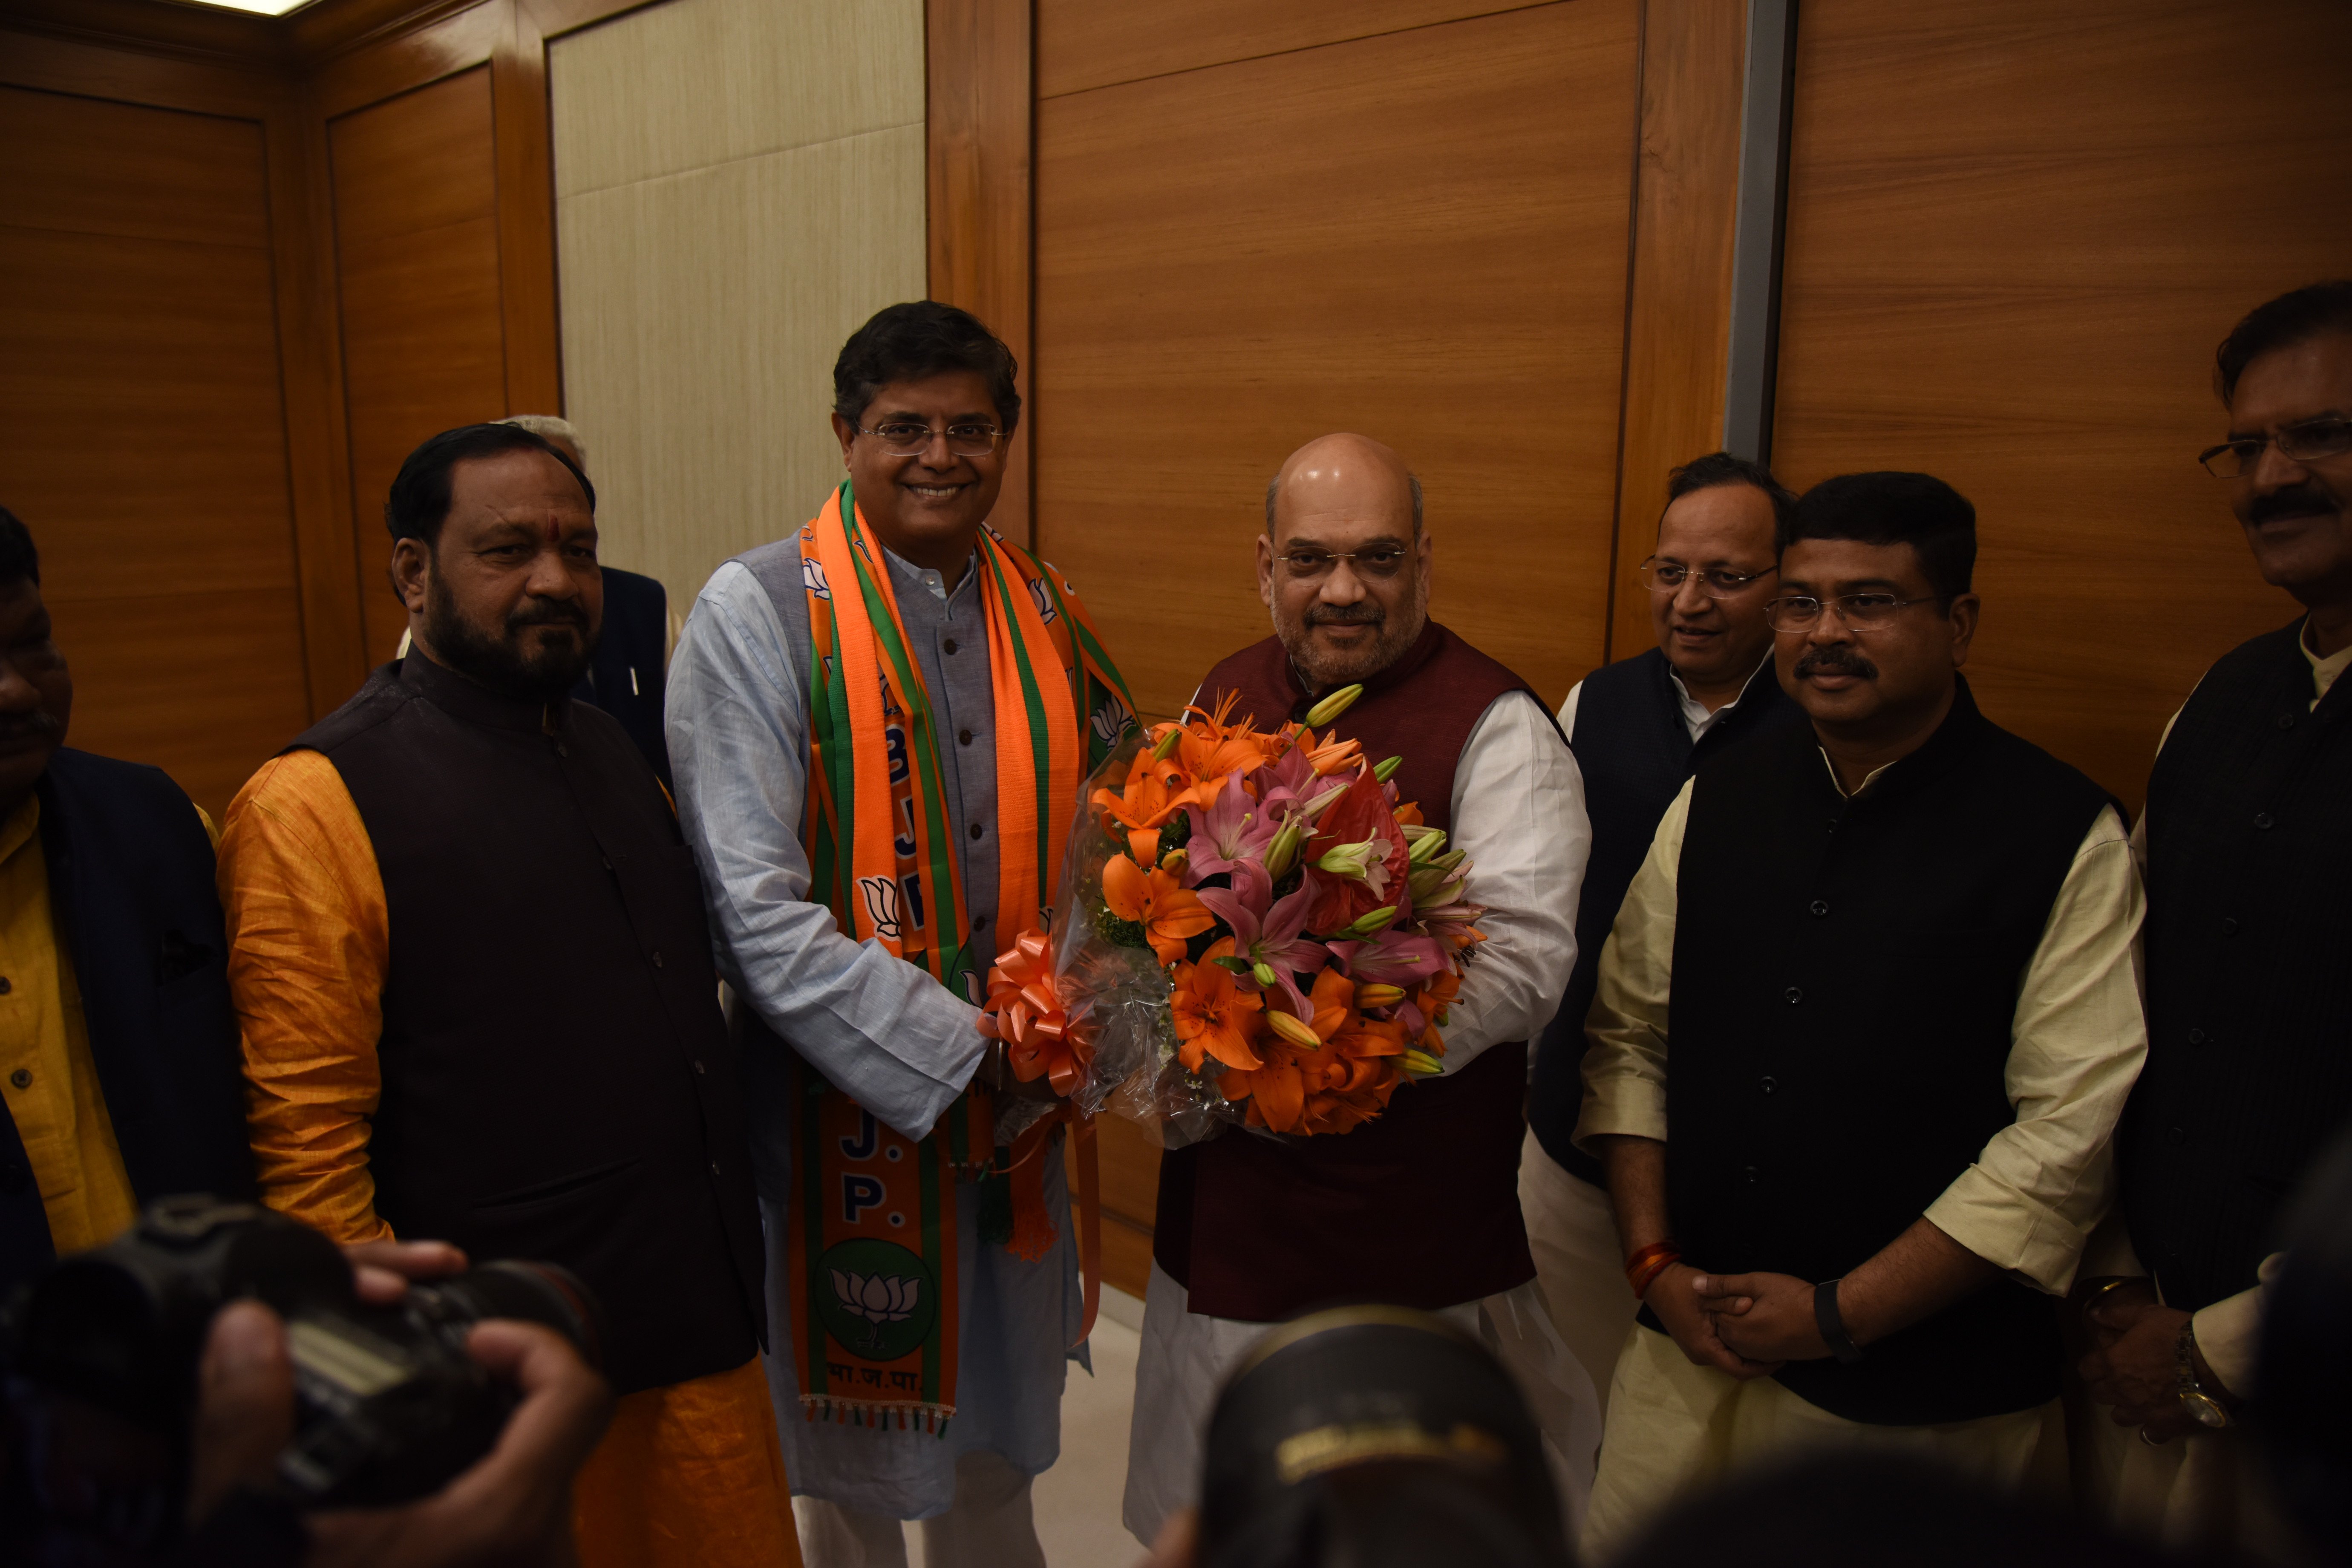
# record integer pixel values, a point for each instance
(1156, 790)
(1212, 748)
(1214, 1017)
(1170, 915)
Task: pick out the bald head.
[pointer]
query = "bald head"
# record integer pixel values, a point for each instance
(1343, 564)
(1343, 473)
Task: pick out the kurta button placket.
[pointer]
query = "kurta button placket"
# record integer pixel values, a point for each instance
(949, 646)
(2286, 721)
(2229, 926)
(2175, 1136)
(975, 830)
(2196, 1036)
(1820, 906)
(964, 736)
(1795, 995)
(2262, 820)
(1768, 1084)
(1749, 1176)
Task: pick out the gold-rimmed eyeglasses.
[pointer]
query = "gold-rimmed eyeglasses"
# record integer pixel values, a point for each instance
(905, 439)
(1862, 612)
(1716, 581)
(2303, 441)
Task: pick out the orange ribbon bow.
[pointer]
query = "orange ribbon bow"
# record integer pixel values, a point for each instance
(1024, 1010)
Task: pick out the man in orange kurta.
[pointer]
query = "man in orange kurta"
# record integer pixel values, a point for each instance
(478, 1002)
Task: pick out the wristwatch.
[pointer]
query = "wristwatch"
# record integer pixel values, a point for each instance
(2203, 1407)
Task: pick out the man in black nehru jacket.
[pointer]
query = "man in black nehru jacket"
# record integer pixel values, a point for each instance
(2248, 848)
(1863, 1028)
(1639, 728)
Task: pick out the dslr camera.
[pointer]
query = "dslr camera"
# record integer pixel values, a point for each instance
(101, 1360)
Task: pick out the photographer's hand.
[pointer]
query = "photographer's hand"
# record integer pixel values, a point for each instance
(515, 1506)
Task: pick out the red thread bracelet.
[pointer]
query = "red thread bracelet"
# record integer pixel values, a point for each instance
(1642, 1270)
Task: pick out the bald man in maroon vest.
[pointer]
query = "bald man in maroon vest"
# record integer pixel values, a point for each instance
(1420, 1207)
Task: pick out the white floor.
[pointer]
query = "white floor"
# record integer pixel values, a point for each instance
(1077, 1499)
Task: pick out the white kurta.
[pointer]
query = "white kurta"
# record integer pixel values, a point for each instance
(1518, 814)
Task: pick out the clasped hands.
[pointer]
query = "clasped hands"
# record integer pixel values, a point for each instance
(1746, 1325)
(2133, 1364)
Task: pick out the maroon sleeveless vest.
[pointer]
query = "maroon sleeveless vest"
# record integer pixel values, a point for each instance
(1420, 1207)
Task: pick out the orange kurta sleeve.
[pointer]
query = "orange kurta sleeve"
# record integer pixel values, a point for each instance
(309, 943)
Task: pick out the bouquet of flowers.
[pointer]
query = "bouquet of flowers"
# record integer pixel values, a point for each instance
(1251, 928)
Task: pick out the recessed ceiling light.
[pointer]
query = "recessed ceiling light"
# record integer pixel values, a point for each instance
(261, 8)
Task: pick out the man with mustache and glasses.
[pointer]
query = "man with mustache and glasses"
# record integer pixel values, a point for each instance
(1890, 952)
(2247, 850)
(1639, 728)
(1421, 1205)
(470, 955)
(118, 1047)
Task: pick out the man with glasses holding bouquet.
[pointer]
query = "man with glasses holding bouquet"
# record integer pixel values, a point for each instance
(2247, 853)
(1891, 955)
(1639, 728)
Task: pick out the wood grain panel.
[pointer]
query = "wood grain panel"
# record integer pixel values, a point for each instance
(142, 434)
(2015, 233)
(1436, 258)
(1085, 44)
(1678, 320)
(981, 209)
(1129, 1159)
(417, 245)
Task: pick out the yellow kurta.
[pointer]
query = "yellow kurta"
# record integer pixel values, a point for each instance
(691, 1474)
(52, 1080)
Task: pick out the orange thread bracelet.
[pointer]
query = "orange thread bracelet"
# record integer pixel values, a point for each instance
(1644, 1267)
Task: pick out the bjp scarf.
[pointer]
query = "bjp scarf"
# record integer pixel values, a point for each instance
(872, 1253)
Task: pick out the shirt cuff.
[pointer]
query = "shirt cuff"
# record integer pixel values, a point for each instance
(2010, 1230)
(1622, 1105)
(2229, 1332)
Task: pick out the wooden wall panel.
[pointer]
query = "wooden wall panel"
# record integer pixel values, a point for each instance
(2016, 232)
(717, 248)
(980, 206)
(1436, 258)
(1678, 319)
(417, 248)
(141, 431)
(1085, 44)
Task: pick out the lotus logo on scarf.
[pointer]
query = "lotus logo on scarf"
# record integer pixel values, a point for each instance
(1044, 597)
(884, 1297)
(813, 577)
(877, 1299)
(881, 895)
(1110, 721)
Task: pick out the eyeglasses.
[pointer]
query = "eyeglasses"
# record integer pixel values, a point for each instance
(905, 439)
(1714, 581)
(1378, 563)
(2311, 439)
(1862, 612)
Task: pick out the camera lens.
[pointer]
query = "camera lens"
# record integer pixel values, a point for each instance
(533, 1292)
(1375, 1435)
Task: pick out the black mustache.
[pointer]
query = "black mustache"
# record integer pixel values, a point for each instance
(551, 616)
(38, 722)
(1845, 661)
(1354, 615)
(2297, 501)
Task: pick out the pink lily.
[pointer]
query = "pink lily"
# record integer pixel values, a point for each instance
(1391, 958)
(1233, 830)
(1270, 937)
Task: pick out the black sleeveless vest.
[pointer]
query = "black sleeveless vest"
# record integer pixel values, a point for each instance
(1845, 978)
(558, 1083)
(1635, 754)
(1421, 1207)
(2249, 1019)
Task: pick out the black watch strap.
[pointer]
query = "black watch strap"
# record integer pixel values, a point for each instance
(1832, 1327)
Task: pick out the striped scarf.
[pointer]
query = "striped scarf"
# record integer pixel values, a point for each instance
(872, 1252)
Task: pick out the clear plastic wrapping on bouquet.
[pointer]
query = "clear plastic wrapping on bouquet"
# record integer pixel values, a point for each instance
(1117, 995)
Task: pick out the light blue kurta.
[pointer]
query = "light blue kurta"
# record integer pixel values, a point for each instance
(873, 1025)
